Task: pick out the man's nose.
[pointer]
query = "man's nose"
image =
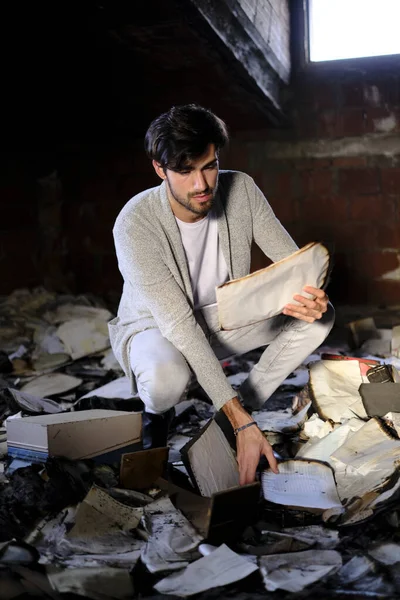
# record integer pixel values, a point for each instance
(200, 182)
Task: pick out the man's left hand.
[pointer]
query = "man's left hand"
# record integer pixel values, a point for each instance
(309, 310)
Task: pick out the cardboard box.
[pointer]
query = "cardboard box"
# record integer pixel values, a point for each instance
(74, 435)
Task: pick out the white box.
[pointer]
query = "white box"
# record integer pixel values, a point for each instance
(75, 435)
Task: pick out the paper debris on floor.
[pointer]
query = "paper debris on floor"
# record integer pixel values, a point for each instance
(370, 448)
(307, 484)
(293, 572)
(97, 583)
(357, 568)
(211, 471)
(281, 421)
(117, 388)
(68, 312)
(321, 448)
(173, 540)
(51, 384)
(334, 387)
(221, 567)
(82, 337)
(387, 553)
(99, 513)
(314, 535)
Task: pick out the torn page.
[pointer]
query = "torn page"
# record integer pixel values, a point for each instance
(322, 449)
(371, 447)
(98, 583)
(173, 540)
(211, 461)
(68, 312)
(118, 388)
(50, 384)
(316, 427)
(365, 463)
(280, 421)
(334, 386)
(82, 337)
(219, 568)
(296, 570)
(99, 513)
(314, 535)
(302, 484)
(387, 553)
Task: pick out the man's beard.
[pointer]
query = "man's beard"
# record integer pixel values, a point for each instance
(197, 209)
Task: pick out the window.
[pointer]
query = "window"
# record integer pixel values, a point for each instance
(353, 28)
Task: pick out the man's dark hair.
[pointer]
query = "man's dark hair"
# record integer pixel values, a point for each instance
(183, 134)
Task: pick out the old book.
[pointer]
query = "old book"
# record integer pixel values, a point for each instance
(263, 294)
(210, 461)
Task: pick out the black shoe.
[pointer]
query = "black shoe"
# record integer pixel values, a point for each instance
(155, 428)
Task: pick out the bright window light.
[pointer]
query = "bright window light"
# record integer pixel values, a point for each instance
(353, 28)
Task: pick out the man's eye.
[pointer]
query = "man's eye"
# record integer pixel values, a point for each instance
(213, 166)
(184, 172)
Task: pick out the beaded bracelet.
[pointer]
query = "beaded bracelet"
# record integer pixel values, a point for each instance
(236, 431)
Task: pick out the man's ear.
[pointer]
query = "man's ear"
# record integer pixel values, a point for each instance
(159, 170)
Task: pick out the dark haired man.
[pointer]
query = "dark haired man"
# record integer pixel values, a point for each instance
(175, 243)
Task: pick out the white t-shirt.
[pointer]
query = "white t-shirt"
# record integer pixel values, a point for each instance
(207, 265)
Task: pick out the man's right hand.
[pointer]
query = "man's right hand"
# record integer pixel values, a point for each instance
(251, 443)
(251, 446)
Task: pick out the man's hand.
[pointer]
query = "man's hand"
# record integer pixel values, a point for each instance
(309, 310)
(251, 444)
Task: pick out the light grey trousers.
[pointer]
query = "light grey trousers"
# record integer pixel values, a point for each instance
(163, 375)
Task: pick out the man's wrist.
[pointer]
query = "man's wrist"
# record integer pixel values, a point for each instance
(236, 414)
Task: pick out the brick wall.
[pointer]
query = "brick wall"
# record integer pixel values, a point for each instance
(336, 177)
(333, 176)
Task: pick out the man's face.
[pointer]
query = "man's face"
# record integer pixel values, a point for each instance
(191, 191)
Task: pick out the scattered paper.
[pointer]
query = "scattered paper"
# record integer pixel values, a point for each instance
(99, 583)
(387, 553)
(173, 540)
(323, 448)
(221, 567)
(334, 386)
(118, 388)
(50, 384)
(68, 312)
(82, 337)
(296, 570)
(355, 569)
(280, 421)
(99, 513)
(301, 483)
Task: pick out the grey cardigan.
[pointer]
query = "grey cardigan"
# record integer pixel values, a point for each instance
(157, 290)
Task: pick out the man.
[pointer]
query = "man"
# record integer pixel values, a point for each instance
(175, 243)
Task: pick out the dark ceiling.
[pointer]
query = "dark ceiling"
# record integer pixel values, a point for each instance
(96, 71)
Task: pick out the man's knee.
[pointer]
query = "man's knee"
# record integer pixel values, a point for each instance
(163, 385)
